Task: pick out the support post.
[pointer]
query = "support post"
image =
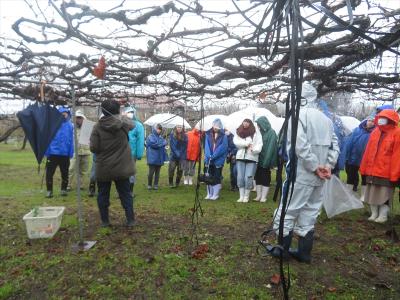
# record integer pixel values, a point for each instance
(81, 245)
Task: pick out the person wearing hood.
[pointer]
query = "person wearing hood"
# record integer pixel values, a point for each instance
(340, 134)
(267, 159)
(136, 140)
(110, 143)
(59, 153)
(317, 151)
(248, 141)
(381, 164)
(83, 152)
(155, 154)
(215, 151)
(192, 155)
(178, 146)
(354, 151)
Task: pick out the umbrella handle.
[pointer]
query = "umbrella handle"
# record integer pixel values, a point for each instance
(42, 84)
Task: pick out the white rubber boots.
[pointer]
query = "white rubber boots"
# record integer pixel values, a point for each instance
(262, 192)
(241, 193)
(383, 214)
(374, 212)
(258, 193)
(379, 213)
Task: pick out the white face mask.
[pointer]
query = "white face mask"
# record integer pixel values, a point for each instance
(382, 121)
(129, 115)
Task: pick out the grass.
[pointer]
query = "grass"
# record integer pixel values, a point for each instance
(352, 258)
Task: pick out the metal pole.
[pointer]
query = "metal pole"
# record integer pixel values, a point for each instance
(81, 245)
(77, 173)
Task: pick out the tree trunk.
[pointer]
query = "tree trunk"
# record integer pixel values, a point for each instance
(9, 132)
(24, 143)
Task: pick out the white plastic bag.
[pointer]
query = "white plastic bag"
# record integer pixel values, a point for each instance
(337, 198)
(86, 131)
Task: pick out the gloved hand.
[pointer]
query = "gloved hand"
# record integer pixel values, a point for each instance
(248, 141)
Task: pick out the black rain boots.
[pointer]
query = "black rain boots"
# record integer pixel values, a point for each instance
(92, 189)
(287, 240)
(303, 252)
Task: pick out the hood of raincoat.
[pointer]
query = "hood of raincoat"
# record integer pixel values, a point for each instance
(154, 130)
(218, 123)
(264, 124)
(268, 157)
(363, 125)
(131, 110)
(384, 107)
(65, 109)
(308, 94)
(389, 114)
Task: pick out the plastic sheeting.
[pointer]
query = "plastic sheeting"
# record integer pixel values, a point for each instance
(167, 121)
(337, 198)
(349, 124)
(253, 113)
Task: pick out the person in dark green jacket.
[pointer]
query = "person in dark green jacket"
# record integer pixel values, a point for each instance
(267, 159)
(109, 142)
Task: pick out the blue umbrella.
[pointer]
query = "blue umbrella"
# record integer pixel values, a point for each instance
(40, 123)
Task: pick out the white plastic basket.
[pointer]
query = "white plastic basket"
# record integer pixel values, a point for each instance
(45, 224)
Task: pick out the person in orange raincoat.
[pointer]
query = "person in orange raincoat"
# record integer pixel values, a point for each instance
(381, 164)
(192, 156)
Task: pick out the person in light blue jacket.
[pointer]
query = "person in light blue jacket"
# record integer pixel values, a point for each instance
(136, 140)
(59, 153)
(156, 155)
(215, 152)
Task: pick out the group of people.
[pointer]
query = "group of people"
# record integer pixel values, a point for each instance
(118, 140)
(373, 149)
(251, 153)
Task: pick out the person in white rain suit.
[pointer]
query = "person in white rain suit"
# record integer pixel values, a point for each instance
(317, 151)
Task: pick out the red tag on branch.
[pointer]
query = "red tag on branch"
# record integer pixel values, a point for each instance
(100, 70)
(262, 95)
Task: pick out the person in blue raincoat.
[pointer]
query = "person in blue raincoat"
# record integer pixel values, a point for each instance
(178, 150)
(340, 134)
(215, 151)
(59, 153)
(231, 160)
(136, 139)
(156, 155)
(354, 149)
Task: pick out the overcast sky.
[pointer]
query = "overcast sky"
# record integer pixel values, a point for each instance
(11, 10)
